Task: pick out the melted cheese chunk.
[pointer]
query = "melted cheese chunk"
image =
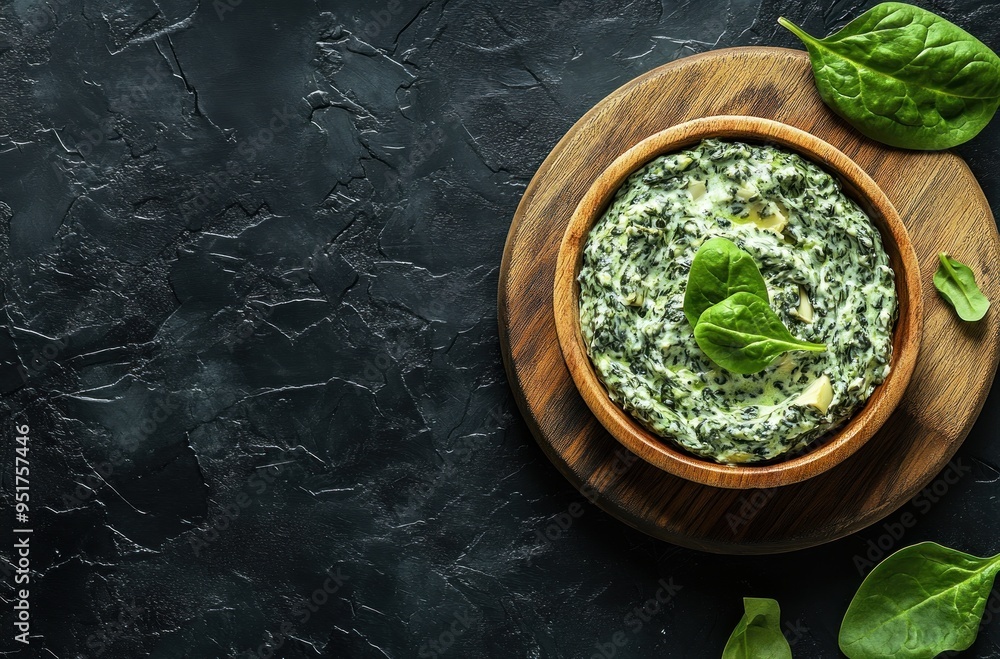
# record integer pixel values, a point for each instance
(817, 395)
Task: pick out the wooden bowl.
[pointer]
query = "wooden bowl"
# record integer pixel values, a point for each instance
(838, 444)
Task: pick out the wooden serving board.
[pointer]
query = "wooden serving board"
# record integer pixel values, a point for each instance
(943, 208)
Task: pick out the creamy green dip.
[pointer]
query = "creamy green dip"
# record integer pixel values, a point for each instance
(827, 275)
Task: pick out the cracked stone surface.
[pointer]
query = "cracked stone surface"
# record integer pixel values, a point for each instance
(250, 258)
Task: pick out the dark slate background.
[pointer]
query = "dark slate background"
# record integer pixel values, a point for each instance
(249, 312)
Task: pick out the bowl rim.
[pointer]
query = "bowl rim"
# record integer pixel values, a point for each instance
(837, 445)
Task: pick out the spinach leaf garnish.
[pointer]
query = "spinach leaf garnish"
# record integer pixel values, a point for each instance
(726, 301)
(957, 284)
(718, 270)
(905, 76)
(743, 335)
(758, 633)
(921, 601)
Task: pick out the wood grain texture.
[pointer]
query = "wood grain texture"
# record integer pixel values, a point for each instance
(937, 198)
(822, 454)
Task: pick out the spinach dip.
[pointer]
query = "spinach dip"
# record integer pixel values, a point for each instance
(828, 279)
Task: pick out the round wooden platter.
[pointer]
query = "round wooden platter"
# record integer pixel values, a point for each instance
(943, 208)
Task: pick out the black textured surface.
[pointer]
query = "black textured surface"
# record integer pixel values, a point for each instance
(250, 263)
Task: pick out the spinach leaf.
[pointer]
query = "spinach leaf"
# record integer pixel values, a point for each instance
(758, 633)
(718, 270)
(957, 284)
(906, 77)
(743, 335)
(918, 603)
